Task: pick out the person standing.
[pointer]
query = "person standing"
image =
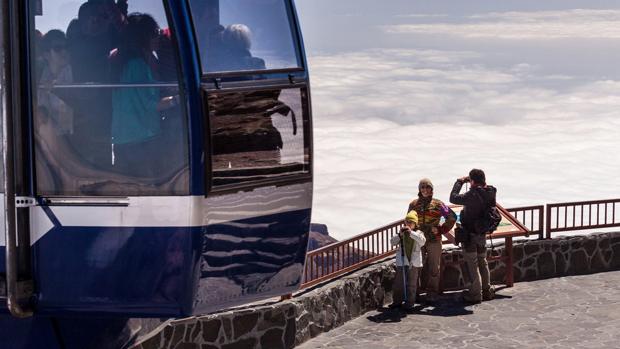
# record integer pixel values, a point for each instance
(91, 36)
(55, 69)
(136, 119)
(430, 211)
(408, 262)
(475, 203)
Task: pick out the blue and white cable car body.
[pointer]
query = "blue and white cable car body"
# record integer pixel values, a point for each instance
(159, 176)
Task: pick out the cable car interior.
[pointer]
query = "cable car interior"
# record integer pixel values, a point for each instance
(157, 163)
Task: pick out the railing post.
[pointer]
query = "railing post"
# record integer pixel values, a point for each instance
(541, 222)
(548, 220)
(510, 279)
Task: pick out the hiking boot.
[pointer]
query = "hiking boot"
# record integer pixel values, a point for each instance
(488, 295)
(394, 305)
(430, 299)
(468, 298)
(408, 307)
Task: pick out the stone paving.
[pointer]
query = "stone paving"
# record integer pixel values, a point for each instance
(568, 312)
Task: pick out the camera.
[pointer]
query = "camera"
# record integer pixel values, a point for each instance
(460, 235)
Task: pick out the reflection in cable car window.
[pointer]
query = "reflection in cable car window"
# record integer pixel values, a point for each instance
(258, 135)
(244, 35)
(107, 112)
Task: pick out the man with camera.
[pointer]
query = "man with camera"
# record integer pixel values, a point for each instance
(478, 218)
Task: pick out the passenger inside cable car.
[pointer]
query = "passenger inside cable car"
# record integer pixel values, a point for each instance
(116, 99)
(237, 40)
(92, 35)
(236, 31)
(54, 67)
(96, 30)
(136, 112)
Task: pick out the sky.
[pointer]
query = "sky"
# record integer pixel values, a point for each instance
(529, 91)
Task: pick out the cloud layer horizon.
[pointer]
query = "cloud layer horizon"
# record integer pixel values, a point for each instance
(545, 129)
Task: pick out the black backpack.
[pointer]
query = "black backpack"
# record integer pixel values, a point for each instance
(489, 219)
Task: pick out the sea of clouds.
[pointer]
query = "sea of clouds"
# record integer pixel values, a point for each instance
(544, 130)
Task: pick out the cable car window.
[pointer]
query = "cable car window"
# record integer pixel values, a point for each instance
(107, 113)
(244, 35)
(258, 136)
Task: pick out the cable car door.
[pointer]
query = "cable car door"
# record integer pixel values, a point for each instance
(101, 172)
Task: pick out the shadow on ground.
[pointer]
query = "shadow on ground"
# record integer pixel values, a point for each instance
(449, 304)
(386, 315)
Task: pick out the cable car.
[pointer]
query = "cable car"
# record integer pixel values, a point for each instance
(157, 162)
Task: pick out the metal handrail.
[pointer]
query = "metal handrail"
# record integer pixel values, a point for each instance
(580, 218)
(348, 255)
(344, 256)
(336, 259)
(529, 216)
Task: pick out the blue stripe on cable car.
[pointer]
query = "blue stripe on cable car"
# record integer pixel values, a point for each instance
(146, 270)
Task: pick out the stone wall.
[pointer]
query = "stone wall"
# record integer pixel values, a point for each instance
(309, 313)
(281, 324)
(541, 259)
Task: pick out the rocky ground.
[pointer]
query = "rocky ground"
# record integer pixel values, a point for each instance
(566, 312)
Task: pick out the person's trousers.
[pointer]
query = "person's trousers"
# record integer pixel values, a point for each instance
(432, 266)
(398, 286)
(478, 270)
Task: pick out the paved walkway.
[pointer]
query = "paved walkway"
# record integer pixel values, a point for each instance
(568, 312)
